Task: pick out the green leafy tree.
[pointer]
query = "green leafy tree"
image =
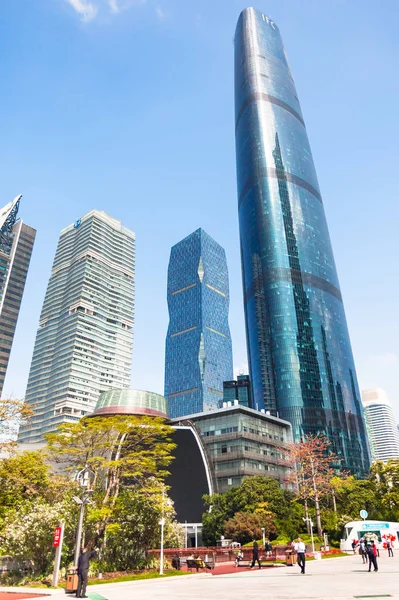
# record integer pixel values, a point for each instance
(218, 512)
(353, 495)
(33, 499)
(134, 527)
(26, 477)
(385, 479)
(251, 495)
(27, 533)
(257, 490)
(122, 452)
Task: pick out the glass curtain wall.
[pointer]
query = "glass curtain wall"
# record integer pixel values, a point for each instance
(301, 363)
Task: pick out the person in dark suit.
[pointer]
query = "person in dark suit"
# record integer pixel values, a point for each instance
(372, 554)
(83, 571)
(255, 555)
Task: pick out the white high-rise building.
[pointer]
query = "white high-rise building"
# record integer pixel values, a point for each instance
(16, 245)
(381, 425)
(84, 341)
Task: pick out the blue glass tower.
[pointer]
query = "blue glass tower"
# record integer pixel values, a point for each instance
(198, 354)
(300, 356)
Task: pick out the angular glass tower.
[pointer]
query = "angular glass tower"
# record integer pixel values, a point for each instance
(16, 245)
(300, 357)
(84, 342)
(198, 344)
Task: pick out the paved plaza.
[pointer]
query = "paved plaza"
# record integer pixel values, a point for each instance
(338, 578)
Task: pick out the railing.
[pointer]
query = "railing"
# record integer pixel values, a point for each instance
(223, 555)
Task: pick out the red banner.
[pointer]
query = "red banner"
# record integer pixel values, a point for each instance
(57, 536)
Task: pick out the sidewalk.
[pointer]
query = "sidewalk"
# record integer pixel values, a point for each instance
(330, 579)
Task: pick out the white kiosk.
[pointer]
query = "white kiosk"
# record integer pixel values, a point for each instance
(369, 530)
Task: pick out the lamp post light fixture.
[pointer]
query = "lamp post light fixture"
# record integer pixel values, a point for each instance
(309, 520)
(162, 524)
(264, 536)
(84, 478)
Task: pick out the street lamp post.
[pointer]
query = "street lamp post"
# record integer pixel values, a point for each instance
(309, 520)
(264, 536)
(84, 478)
(162, 524)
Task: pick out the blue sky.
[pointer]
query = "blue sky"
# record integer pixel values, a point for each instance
(127, 106)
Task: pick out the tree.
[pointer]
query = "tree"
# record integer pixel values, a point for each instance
(254, 491)
(385, 477)
(32, 501)
(217, 513)
(121, 451)
(27, 533)
(134, 526)
(26, 477)
(243, 527)
(314, 463)
(12, 413)
(252, 494)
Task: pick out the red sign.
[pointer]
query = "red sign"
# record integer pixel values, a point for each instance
(57, 536)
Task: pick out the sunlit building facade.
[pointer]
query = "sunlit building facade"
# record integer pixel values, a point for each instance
(381, 425)
(301, 363)
(84, 342)
(16, 245)
(198, 355)
(242, 442)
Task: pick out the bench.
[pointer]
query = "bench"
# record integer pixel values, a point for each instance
(193, 564)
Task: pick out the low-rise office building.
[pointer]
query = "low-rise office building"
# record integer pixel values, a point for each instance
(242, 442)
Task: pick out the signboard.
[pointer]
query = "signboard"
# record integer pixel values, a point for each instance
(57, 537)
(364, 514)
(375, 526)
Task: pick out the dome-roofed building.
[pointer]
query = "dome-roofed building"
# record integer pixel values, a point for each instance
(131, 402)
(190, 473)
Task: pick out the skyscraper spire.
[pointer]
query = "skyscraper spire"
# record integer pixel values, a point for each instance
(8, 218)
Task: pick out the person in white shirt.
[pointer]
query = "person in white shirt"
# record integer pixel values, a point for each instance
(300, 549)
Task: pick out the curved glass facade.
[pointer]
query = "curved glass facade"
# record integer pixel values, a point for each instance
(135, 402)
(299, 350)
(198, 355)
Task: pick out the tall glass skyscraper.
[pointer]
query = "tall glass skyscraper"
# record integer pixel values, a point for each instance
(16, 245)
(300, 356)
(84, 342)
(198, 344)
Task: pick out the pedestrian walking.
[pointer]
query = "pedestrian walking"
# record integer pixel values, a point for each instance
(362, 550)
(83, 572)
(390, 548)
(300, 549)
(255, 555)
(372, 554)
